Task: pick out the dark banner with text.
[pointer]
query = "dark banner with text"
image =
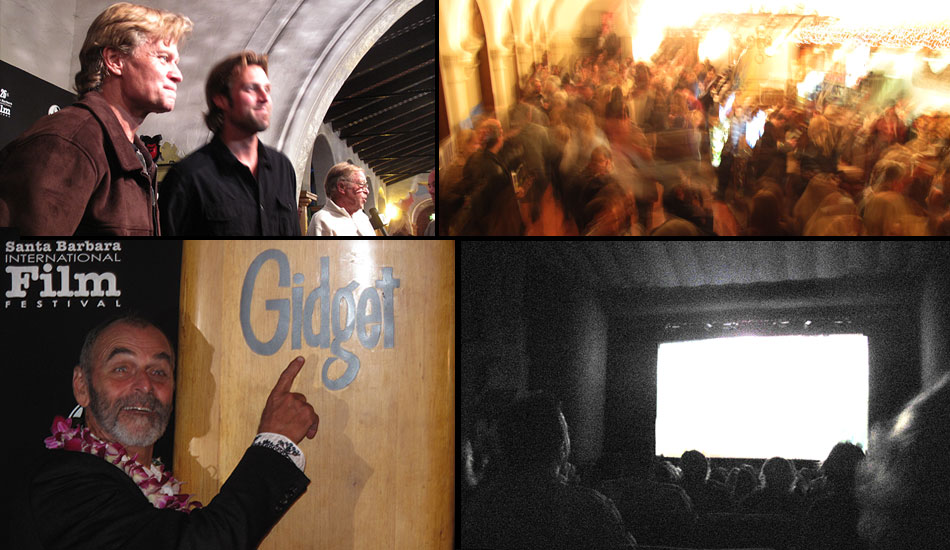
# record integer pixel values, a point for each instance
(24, 99)
(54, 292)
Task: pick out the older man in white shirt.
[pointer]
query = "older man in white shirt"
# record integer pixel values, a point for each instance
(343, 214)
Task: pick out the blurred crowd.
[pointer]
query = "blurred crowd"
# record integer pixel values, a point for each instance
(676, 147)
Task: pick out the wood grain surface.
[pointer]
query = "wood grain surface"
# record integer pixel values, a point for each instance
(382, 464)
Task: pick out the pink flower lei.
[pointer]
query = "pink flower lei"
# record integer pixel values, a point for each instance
(159, 487)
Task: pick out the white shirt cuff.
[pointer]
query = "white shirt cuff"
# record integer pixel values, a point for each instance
(283, 445)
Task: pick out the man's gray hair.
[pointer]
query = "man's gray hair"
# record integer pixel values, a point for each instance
(339, 172)
(85, 356)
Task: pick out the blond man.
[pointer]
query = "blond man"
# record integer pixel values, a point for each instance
(83, 170)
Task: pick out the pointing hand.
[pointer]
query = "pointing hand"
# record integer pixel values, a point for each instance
(288, 413)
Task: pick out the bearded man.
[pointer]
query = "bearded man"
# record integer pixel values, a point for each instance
(235, 185)
(98, 487)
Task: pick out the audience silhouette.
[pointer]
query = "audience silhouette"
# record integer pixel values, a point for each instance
(655, 512)
(832, 518)
(896, 498)
(529, 504)
(707, 495)
(904, 485)
(776, 493)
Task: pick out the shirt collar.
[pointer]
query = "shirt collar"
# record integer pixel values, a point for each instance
(97, 104)
(223, 154)
(334, 207)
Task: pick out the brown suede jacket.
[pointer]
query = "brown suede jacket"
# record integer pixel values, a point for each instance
(75, 173)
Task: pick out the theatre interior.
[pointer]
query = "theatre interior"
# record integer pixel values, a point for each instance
(748, 352)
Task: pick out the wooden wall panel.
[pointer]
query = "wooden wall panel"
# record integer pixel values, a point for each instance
(382, 465)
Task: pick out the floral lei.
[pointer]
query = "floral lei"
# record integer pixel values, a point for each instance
(159, 487)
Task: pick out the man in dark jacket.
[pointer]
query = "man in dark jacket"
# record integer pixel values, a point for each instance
(494, 207)
(125, 381)
(83, 170)
(771, 152)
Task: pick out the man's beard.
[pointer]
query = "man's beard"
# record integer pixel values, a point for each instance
(133, 430)
(251, 123)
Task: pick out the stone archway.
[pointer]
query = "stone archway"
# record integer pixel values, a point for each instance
(321, 160)
(299, 121)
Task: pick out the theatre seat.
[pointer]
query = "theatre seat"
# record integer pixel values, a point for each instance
(779, 532)
(641, 547)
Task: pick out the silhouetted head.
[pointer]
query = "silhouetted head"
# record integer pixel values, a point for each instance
(819, 133)
(665, 472)
(601, 161)
(695, 467)
(778, 474)
(642, 75)
(887, 175)
(842, 463)
(904, 483)
(490, 135)
(718, 474)
(766, 211)
(746, 482)
(533, 434)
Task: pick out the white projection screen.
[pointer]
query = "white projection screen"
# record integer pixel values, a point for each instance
(762, 396)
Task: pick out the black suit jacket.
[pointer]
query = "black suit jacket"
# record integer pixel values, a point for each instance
(80, 501)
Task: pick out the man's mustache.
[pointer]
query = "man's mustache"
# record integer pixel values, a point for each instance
(143, 401)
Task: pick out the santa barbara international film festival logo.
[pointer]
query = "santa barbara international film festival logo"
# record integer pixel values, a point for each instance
(5, 103)
(369, 318)
(59, 275)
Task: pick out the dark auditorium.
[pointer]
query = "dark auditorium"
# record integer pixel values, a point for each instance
(768, 395)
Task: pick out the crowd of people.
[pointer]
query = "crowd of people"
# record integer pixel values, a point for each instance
(521, 491)
(616, 147)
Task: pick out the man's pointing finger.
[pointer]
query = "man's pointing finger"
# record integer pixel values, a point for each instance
(286, 379)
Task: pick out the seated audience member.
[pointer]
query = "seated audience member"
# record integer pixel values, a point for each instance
(806, 482)
(903, 484)
(718, 474)
(656, 513)
(666, 472)
(746, 482)
(776, 494)
(832, 519)
(529, 504)
(731, 478)
(707, 495)
(480, 448)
